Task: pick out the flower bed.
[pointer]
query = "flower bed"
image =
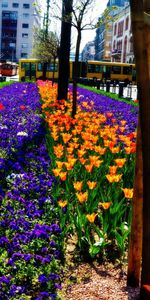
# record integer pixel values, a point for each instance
(30, 237)
(93, 161)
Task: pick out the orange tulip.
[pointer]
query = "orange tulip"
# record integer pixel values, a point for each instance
(120, 162)
(128, 193)
(89, 168)
(109, 114)
(78, 185)
(66, 137)
(82, 197)
(123, 122)
(113, 169)
(62, 204)
(59, 164)
(91, 217)
(81, 152)
(105, 205)
(100, 150)
(63, 175)
(83, 160)
(91, 184)
(68, 166)
(115, 149)
(56, 171)
(113, 178)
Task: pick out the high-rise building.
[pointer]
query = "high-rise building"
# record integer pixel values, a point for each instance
(18, 19)
(88, 52)
(122, 40)
(116, 3)
(104, 31)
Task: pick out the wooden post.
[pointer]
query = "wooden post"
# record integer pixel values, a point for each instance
(141, 49)
(135, 245)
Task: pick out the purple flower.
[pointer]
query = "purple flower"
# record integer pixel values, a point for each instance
(43, 279)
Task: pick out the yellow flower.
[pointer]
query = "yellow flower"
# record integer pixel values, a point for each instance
(91, 217)
(105, 205)
(82, 197)
(128, 193)
(66, 137)
(63, 175)
(62, 204)
(59, 164)
(91, 184)
(89, 168)
(56, 171)
(78, 185)
(120, 162)
(113, 169)
(113, 178)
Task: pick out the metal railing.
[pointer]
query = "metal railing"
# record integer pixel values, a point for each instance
(122, 89)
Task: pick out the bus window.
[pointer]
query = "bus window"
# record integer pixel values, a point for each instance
(23, 66)
(52, 67)
(127, 70)
(134, 74)
(91, 68)
(116, 70)
(40, 67)
(98, 69)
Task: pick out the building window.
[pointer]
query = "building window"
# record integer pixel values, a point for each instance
(120, 28)
(24, 55)
(115, 29)
(24, 25)
(15, 5)
(24, 35)
(26, 16)
(26, 5)
(116, 70)
(4, 3)
(127, 23)
(24, 45)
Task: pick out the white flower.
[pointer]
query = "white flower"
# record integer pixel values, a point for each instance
(3, 127)
(22, 133)
(14, 175)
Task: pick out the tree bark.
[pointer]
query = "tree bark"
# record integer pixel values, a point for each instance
(64, 52)
(75, 75)
(135, 245)
(143, 80)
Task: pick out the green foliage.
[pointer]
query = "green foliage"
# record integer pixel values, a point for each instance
(109, 94)
(46, 46)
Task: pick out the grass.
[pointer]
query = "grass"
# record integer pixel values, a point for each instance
(108, 94)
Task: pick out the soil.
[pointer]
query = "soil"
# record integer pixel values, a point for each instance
(95, 280)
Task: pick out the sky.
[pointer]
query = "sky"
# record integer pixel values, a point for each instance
(87, 35)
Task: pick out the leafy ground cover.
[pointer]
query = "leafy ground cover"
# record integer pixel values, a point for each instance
(82, 194)
(93, 161)
(30, 236)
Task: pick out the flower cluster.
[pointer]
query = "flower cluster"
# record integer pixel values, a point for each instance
(93, 160)
(30, 236)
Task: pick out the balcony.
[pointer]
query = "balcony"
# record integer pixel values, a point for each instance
(116, 53)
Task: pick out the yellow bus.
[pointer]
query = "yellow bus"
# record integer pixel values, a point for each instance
(111, 70)
(32, 69)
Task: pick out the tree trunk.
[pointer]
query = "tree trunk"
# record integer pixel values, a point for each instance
(135, 245)
(53, 78)
(64, 52)
(141, 57)
(44, 70)
(75, 74)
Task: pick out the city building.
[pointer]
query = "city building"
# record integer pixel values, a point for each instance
(18, 19)
(88, 52)
(122, 40)
(103, 37)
